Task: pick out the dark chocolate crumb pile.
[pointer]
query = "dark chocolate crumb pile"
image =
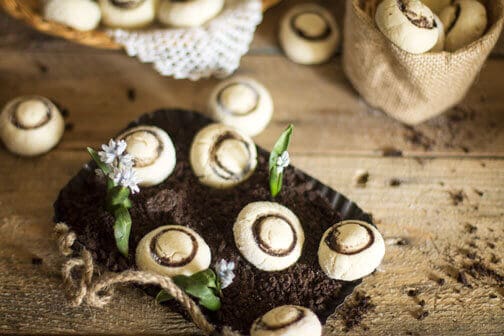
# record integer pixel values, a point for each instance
(354, 309)
(182, 200)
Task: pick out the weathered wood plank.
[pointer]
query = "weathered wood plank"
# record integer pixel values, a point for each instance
(419, 211)
(318, 100)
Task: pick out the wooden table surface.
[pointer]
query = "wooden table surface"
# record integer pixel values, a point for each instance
(439, 202)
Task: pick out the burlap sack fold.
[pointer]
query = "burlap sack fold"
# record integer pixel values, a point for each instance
(411, 88)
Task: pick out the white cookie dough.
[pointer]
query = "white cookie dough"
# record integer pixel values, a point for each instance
(436, 6)
(31, 125)
(350, 250)
(128, 14)
(82, 15)
(309, 34)
(465, 21)
(243, 103)
(268, 235)
(287, 321)
(153, 153)
(441, 37)
(188, 13)
(222, 157)
(173, 250)
(409, 24)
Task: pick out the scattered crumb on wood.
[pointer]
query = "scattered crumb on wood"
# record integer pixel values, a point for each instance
(395, 182)
(441, 281)
(418, 138)
(131, 93)
(354, 309)
(421, 303)
(69, 126)
(412, 292)
(391, 152)
(42, 67)
(469, 228)
(457, 196)
(361, 178)
(479, 192)
(400, 241)
(462, 278)
(422, 314)
(36, 261)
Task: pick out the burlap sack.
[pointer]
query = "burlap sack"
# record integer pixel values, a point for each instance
(411, 88)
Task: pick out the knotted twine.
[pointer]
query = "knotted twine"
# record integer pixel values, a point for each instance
(79, 283)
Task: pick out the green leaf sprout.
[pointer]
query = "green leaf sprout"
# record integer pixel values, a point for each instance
(117, 167)
(203, 285)
(279, 159)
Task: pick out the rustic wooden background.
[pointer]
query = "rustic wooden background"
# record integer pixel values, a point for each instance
(436, 190)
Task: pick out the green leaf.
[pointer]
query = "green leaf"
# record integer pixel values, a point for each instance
(281, 146)
(118, 197)
(163, 296)
(206, 278)
(202, 285)
(96, 158)
(212, 302)
(276, 179)
(122, 228)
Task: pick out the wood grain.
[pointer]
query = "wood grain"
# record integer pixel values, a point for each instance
(450, 175)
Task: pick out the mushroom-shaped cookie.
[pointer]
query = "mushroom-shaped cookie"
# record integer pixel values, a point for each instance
(82, 15)
(153, 153)
(31, 125)
(222, 157)
(309, 34)
(173, 250)
(268, 235)
(465, 21)
(128, 13)
(436, 6)
(441, 37)
(350, 250)
(184, 13)
(287, 321)
(243, 103)
(409, 24)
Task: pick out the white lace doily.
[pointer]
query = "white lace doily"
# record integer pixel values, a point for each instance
(213, 49)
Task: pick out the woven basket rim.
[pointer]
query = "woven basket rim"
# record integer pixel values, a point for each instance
(25, 10)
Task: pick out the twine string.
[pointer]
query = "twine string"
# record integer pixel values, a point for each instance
(77, 273)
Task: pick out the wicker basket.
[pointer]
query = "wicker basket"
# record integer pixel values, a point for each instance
(29, 12)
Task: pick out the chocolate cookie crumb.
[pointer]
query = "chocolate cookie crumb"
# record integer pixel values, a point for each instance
(457, 196)
(412, 292)
(42, 67)
(36, 261)
(361, 178)
(131, 93)
(462, 278)
(469, 228)
(422, 314)
(69, 126)
(441, 281)
(479, 192)
(391, 152)
(354, 310)
(395, 182)
(421, 303)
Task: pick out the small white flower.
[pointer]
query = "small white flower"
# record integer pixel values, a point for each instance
(125, 176)
(126, 160)
(112, 151)
(225, 272)
(283, 161)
